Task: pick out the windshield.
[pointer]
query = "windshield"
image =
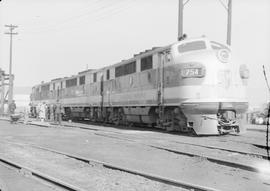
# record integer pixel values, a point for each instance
(191, 46)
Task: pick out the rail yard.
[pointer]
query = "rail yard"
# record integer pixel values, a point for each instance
(116, 103)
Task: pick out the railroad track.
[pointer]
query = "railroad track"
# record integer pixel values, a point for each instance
(190, 154)
(153, 177)
(219, 161)
(225, 149)
(197, 145)
(39, 175)
(178, 142)
(133, 140)
(157, 130)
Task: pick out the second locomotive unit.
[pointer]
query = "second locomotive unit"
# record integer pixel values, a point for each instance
(193, 85)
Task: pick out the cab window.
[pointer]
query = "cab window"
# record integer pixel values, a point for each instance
(71, 82)
(147, 63)
(191, 46)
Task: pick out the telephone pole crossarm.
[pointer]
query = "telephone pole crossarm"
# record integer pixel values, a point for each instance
(14, 33)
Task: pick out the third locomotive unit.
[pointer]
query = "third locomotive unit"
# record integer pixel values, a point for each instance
(193, 85)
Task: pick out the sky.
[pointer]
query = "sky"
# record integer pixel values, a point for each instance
(58, 38)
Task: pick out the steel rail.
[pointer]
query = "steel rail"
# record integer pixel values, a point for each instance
(179, 142)
(128, 139)
(190, 154)
(193, 144)
(214, 160)
(224, 149)
(37, 174)
(150, 176)
(211, 159)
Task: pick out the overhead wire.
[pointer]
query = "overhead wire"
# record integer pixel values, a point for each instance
(86, 8)
(96, 12)
(117, 11)
(223, 4)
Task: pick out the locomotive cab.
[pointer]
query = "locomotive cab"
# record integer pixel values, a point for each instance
(212, 86)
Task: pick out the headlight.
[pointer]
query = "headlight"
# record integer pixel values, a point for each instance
(223, 55)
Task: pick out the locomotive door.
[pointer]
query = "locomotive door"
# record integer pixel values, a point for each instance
(58, 94)
(101, 92)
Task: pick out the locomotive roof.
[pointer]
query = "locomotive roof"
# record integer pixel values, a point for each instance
(85, 71)
(56, 79)
(135, 56)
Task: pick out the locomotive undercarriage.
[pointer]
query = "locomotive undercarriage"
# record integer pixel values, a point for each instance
(170, 118)
(173, 119)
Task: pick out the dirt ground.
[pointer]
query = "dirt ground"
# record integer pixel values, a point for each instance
(87, 176)
(12, 180)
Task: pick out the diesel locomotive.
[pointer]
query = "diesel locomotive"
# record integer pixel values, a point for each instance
(193, 85)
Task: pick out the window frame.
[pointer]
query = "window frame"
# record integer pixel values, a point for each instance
(125, 69)
(108, 74)
(146, 63)
(71, 82)
(82, 80)
(94, 77)
(190, 46)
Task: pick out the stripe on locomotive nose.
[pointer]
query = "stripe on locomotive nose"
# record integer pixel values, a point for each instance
(173, 76)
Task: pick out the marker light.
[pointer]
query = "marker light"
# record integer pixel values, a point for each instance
(223, 55)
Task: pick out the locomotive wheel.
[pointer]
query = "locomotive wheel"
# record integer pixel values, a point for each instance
(121, 117)
(173, 119)
(114, 116)
(95, 115)
(168, 123)
(117, 116)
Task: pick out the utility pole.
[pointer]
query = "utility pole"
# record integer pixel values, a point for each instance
(228, 8)
(2, 91)
(180, 19)
(229, 22)
(11, 77)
